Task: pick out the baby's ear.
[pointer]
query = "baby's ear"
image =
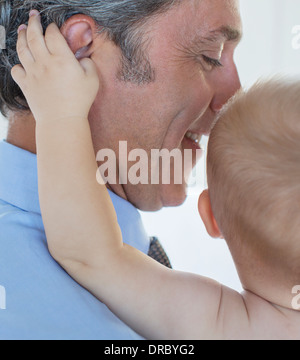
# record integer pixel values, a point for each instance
(207, 216)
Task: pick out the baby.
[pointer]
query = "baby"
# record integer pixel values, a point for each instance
(253, 202)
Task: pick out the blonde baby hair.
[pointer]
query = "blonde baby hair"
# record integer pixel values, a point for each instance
(254, 172)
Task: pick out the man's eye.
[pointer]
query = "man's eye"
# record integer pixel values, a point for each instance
(214, 63)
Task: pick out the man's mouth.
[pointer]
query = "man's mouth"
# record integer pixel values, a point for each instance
(194, 139)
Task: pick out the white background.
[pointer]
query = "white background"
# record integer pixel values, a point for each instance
(266, 49)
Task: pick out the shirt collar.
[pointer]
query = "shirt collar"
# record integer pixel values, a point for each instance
(18, 178)
(19, 187)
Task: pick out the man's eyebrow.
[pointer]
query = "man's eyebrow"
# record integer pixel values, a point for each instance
(198, 41)
(227, 32)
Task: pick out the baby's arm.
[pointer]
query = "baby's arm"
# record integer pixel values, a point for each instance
(80, 221)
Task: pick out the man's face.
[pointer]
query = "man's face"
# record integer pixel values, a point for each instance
(186, 47)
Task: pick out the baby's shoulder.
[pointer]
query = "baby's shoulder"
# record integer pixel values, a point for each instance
(250, 317)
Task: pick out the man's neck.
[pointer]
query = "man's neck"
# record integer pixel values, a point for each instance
(21, 131)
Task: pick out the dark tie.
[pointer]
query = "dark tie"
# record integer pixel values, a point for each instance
(157, 253)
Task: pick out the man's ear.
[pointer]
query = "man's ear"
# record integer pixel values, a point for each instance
(206, 213)
(80, 31)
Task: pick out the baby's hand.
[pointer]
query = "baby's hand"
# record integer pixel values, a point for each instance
(56, 85)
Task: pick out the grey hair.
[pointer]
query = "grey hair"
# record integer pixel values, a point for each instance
(121, 20)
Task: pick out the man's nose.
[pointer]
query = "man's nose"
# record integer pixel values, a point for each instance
(225, 87)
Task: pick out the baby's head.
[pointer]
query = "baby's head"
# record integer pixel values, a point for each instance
(254, 187)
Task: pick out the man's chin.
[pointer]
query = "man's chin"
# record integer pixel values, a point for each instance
(167, 196)
(174, 195)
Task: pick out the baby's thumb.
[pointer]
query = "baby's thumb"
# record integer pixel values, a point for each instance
(92, 74)
(88, 66)
(18, 74)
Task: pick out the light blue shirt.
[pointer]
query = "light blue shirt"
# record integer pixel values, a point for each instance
(40, 301)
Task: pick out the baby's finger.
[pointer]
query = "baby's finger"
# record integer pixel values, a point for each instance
(23, 50)
(55, 41)
(35, 36)
(18, 74)
(90, 68)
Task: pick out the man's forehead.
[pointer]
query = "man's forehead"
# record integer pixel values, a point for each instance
(210, 24)
(196, 22)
